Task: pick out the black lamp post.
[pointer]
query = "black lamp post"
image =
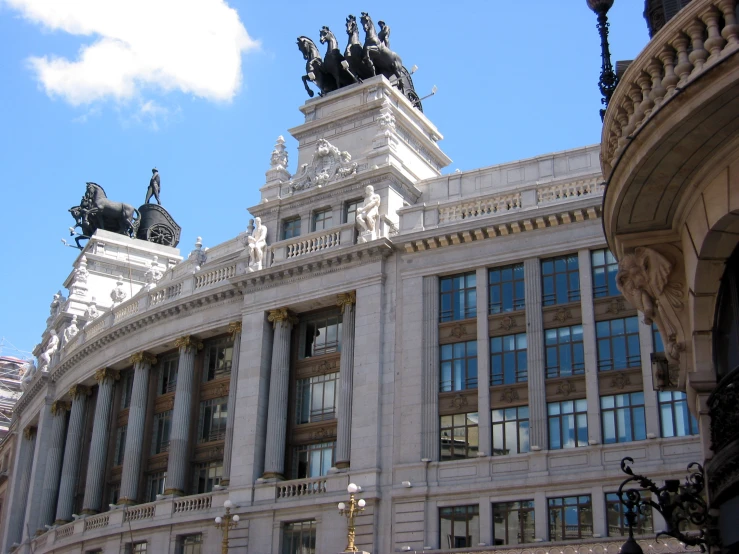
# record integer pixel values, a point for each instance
(608, 79)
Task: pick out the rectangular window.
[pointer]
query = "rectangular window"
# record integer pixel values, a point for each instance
(190, 544)
(568, 424)
(120, 445)
(564, 351)
(350, 210)
(618, 343)
(623, 417)
(459, 526)
(160, 434)
(126, 389)
(206, 475)
(299, 537)
(674, 416)
(508, 362)
(615, 516)
(605, 267)
(313, 460)
(114, 493)
(510, 430)
(218, 359)
(136, 547)
(322, 220)
(506, 289)
(513, 522)
(291, 228)
(458, 297)
(213, 415)
(458, 367)
(320, 335)
(570, 517)
(168, 374)
(316, 398)
(155, 483)
(560, 280)
(459, 436)
(657, 344)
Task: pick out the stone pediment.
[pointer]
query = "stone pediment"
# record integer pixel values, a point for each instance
(327, 164)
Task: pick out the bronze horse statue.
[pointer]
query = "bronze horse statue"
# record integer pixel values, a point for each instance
(378, 58)
(115, 214)
(314, 68)
(354, 53)
(333, 62)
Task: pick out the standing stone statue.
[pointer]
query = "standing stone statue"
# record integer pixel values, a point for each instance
(44, 360)
(27, 371)
(257, 242)
(56, 303)
(70, 332)
(153, 189)
(368, 215)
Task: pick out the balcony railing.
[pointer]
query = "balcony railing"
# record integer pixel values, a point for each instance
(302, 488)
(327, 239)
(698, 38)
(724, 406)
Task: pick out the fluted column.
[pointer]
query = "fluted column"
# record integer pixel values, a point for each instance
(72, 454)
(23, 475)
(93, 501)
(132, 454)
(54, 458)
(346, 302)
(179, 436)
(430, 439)
(535, 354)
(274, 459)
(235, 330)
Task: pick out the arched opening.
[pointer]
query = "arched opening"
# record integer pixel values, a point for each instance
(726, 325)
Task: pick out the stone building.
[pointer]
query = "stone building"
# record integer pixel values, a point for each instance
(454, 345)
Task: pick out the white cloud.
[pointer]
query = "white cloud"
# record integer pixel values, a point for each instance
(194, 46)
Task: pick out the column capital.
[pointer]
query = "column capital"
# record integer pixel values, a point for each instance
(29, 432)
(143, 357)
(234, 328)
(106, 373)
(188, 341)
(79, 390)
(59, 407)
(281, 315)
(346, 299)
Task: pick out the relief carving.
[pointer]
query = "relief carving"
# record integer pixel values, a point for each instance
(566, 388)
(616, 306)
(563, 314)
(620, 381)
(458, 402)
(507, 323)
(458, 331)
(509, 395)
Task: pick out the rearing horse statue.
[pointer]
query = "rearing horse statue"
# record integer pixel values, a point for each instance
(117, 213)
(354, 53)
(333, 60)
(378, 58)
(314, 70)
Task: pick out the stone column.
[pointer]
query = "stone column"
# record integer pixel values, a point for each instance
(346, 302)
(430, 440)
(54, 457)
(179, 437)
(590, 349)
(133, 452)
(23, 475)
(96, 465)
(535, 354)
(72, 454)
(274, 459)
(483, 371)
(235, 330)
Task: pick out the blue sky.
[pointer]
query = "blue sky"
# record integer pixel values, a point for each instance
(103, 91)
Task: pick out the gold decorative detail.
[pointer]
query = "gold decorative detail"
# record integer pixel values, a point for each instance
(59, 407)
(507, 323)
(346, 299)
(234, 328)
(281, 315)
(143, 357)
(326, 365)
(29, 432)
(509, 395)
(563, 314)
(458, 402)
(79, 390)
(188, 341)
(322, 433)
(616, 306)
(620, 381)
(106, 373)
(566, 388)
(458, 331)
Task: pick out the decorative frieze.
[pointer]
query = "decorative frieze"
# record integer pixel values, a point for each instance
(457, 331)
(565, 388)
(562, 315)
(458, 402)
(619, 382)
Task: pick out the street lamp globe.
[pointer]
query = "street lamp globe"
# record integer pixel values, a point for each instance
(342, 506)
(228, 504)
(600, 6)
(361, 503)
(219, 520)
(236, 518)
(352, 488)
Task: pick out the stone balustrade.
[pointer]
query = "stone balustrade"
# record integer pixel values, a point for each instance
(302, 488)
(572, 190)
(479, 207)
(697, 39)
(319, 241)
(192, 503)
(128, 309)
(65, 531)
(97, 522)
(214, 276)
(164, 294)
(137, 513)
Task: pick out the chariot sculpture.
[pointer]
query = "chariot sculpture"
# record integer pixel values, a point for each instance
(359, 61)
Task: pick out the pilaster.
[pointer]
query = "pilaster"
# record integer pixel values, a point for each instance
(72, 454)
(347, 302)
(54, 458)
(101, 429)
(179, 437)
(535, 354)
(483, 367)
(651, 409)
(17, 508)
(590, 350)
(234, 330)
(430, 368)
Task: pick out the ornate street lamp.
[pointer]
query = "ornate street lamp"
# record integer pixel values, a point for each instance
(350, 511)
(608, 79)
(678, 504)
(226, 522)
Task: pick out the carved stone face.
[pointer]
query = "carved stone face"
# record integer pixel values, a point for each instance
(369, 190)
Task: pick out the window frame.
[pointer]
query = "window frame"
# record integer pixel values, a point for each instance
(120, 444)
(580, 505)
(325, 321)
(290, 228)
(466, 295)
(461, 370)
(604, 271)
(503, 358)
(571, 349)
(466, 422)
(220, 413)
(350, 208)
(156, 479)
(322, 220)
(167, 374)
(224, 344)
(126, 388)
(551, 279)
(503, 287)
(209, 481)
(516, 507)
(299, 547)
(616, 417)
(161, 432)
(323, 448)
(630, 339)
(309, 385)
(503, 428)
(182, 544)
(642, 519)
(470, 512)
(578, 414)
(670, 404)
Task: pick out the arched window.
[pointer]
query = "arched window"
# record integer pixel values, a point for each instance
(726, 325)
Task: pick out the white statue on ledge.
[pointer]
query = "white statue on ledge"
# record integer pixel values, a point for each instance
(44, 360)
(257, 243)
(153, 274)
(27, 371)
(368, 215)
(70, 332)
(92, 311)
(118, 295)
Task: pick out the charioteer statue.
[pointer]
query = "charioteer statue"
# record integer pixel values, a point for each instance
(336, 70)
